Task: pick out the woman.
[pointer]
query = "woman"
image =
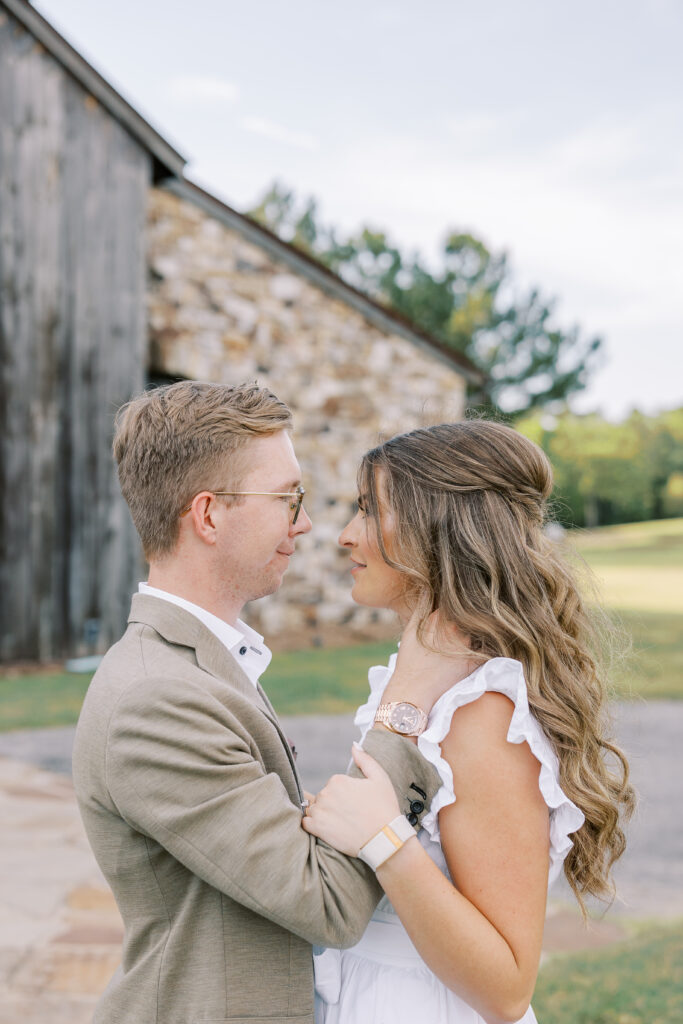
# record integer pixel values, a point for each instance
(449, 534)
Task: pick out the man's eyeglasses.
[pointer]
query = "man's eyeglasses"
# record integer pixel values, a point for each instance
(297, 497)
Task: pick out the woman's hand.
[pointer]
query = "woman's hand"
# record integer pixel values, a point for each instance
(422, 675)
(348, 812)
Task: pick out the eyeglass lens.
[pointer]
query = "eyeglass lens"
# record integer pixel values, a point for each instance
(300, 499)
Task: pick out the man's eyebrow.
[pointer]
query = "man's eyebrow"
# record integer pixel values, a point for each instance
(289, 487)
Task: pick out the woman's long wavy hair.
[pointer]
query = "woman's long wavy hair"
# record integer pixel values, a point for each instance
(469, 504)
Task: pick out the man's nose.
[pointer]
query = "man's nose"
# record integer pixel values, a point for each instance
(303, 523)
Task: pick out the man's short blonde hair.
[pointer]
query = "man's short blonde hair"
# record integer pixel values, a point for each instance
(174, 441)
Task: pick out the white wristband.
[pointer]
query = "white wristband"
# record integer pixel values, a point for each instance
(387, 841)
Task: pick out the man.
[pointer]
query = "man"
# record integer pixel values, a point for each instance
(186, 784)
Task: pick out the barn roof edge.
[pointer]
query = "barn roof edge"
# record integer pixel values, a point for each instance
(167, 160)
(382, 316)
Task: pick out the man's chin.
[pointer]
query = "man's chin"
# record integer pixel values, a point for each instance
(267, 587)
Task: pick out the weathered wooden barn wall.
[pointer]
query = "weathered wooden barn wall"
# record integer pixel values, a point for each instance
(73, 186)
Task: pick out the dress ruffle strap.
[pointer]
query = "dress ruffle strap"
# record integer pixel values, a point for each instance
(499, 675)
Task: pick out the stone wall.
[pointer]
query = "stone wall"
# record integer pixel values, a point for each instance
(221, 308)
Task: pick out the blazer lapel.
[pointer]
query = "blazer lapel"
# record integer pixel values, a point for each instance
(179, 626)
(285, 740)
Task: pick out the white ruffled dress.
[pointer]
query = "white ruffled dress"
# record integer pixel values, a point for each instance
(382, 979)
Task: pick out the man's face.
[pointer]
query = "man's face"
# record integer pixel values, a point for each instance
(257, 538)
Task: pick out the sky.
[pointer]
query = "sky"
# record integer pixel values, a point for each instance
(553, 131)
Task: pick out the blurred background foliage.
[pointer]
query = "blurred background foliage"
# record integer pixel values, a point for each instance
(605, 472)
(612, 472)
(467, 299)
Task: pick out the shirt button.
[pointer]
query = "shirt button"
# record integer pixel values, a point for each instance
(243, 650)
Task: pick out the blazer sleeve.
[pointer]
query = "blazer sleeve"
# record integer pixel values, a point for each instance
(182, 769)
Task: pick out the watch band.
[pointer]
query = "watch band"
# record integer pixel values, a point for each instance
(387, 841)
(385, 712)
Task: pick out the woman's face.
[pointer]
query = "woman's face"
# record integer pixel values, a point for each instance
(375, 583)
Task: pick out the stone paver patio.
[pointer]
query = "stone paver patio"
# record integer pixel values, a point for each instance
(60, 932)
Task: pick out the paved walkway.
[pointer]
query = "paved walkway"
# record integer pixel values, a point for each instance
(60, 932)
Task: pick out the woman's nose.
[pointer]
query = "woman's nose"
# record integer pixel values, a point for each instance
(347, 536)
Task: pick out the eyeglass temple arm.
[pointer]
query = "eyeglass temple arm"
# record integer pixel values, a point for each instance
(298, 493)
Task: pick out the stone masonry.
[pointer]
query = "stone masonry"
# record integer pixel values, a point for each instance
(221, 308)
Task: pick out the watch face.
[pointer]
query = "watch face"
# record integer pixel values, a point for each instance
(405, 718)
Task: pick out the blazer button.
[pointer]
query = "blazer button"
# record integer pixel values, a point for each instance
(412, 818)
(417, 807)
(243, 650)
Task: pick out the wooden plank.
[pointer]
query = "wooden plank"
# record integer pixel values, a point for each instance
(108, 326)
(18, 452)
(72, 336)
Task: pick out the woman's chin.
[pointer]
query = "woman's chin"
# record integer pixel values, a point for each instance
(370, 600)
(377, 600)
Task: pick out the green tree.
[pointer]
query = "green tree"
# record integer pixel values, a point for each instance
(612, 472)
(468, 303)
(664, 457)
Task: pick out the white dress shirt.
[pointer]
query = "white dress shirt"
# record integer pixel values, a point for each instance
(244, 644)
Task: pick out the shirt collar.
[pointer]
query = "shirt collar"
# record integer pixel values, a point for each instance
(244, 643)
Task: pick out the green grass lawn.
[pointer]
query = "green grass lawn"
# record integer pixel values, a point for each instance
(654, 668)
(635, 982)
(34, 702)
(323, 681)
(638, 566)
(639, 570)
(320, 681)
(656, 543)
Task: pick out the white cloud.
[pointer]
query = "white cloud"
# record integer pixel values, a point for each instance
(278, 133)
(203, 88)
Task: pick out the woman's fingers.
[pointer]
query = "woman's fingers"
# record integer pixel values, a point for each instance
(370, 768)
(347, 812)
(309, 825)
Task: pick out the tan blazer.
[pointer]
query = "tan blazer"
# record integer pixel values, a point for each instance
(191, 801)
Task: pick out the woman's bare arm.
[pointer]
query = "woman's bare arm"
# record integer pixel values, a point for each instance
(482, 935)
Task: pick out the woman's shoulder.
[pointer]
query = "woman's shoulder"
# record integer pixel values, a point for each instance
(493, 711)
(479, 722)
(493, 694)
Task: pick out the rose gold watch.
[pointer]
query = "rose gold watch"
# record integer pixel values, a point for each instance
(402, 717)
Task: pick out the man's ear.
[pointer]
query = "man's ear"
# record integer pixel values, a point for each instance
(202, 517)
